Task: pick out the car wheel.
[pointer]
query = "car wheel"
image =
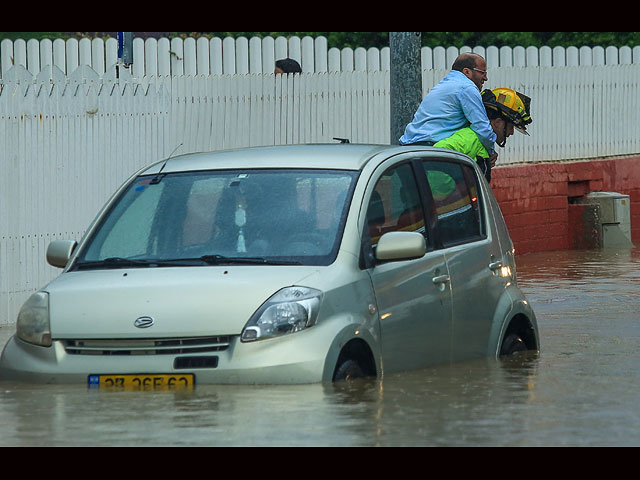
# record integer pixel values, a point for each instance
(348, 370)
(511, 344)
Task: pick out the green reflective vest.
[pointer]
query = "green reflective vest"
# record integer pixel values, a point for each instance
(464, 141)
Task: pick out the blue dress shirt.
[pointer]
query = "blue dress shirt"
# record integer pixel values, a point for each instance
(452, 104)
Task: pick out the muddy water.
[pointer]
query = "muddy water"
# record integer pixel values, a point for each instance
(582, 390)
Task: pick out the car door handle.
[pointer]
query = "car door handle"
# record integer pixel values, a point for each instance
(440, 279)
(493, 266)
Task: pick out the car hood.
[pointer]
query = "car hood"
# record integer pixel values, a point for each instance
(183, 301)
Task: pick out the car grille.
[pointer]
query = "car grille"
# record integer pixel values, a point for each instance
(158, 346)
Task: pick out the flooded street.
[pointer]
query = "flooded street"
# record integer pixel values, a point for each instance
(582, 390)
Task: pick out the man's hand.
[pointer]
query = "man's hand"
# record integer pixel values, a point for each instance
(493, 158)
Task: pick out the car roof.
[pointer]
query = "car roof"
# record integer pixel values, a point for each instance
(345, 156)
(341, 156)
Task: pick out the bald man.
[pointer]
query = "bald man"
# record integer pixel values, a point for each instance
(453, 104)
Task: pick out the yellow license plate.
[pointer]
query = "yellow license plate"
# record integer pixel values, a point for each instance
(143, 381)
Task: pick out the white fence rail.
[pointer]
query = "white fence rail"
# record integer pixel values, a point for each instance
(66, 142)
(218, 56)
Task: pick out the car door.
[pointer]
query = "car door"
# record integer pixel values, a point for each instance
(413, 297)
(469, 242)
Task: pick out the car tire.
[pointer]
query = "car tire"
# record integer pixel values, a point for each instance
(511, 344)
(348, 370)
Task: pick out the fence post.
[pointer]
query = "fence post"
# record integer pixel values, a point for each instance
(406, 80)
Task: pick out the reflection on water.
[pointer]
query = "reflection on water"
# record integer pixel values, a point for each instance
(447, 406)
(581, 390)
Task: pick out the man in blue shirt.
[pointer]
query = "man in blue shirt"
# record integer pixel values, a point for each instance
(452, 104)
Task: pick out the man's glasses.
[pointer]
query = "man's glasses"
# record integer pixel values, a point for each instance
(484, 72)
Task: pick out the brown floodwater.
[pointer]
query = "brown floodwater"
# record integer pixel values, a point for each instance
(581, 390)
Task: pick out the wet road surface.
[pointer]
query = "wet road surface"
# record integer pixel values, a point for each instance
(582, 390)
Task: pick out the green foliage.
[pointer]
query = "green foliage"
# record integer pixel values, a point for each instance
(458, 39)
(381, 39)
(30, 35)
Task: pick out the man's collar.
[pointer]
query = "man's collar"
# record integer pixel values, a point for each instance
(462, 75)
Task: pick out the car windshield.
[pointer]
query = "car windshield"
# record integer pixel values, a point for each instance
(271, 216)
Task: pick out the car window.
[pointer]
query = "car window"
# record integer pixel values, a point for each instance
(395, 204)
(454, 189)
(134, 223)
(293, 215)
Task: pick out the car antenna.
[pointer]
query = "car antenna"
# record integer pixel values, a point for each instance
(342, 140)
(157, 178)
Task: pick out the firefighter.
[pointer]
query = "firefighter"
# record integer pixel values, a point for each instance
(507, 110)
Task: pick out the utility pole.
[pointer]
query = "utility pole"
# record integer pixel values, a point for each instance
(406, 80)
(125, 51)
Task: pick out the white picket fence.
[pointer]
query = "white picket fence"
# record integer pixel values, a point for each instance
(63, 149)
(66, 142)
(218, 56)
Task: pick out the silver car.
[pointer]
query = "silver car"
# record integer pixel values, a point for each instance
(292, 264)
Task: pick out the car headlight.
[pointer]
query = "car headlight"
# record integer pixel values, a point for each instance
(32, 325)
(290, 310)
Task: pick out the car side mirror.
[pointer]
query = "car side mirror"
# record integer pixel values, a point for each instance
(59, 252)
(401, 246)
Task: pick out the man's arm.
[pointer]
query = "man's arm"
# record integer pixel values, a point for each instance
(474, 110)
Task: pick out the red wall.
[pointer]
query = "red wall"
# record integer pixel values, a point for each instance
(534, 199)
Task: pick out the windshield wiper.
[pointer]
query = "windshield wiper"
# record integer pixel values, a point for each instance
(115, 262)
(221, 260)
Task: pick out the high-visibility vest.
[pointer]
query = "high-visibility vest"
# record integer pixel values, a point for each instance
(464, 141)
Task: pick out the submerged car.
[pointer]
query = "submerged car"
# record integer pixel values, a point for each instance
(288, 264)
